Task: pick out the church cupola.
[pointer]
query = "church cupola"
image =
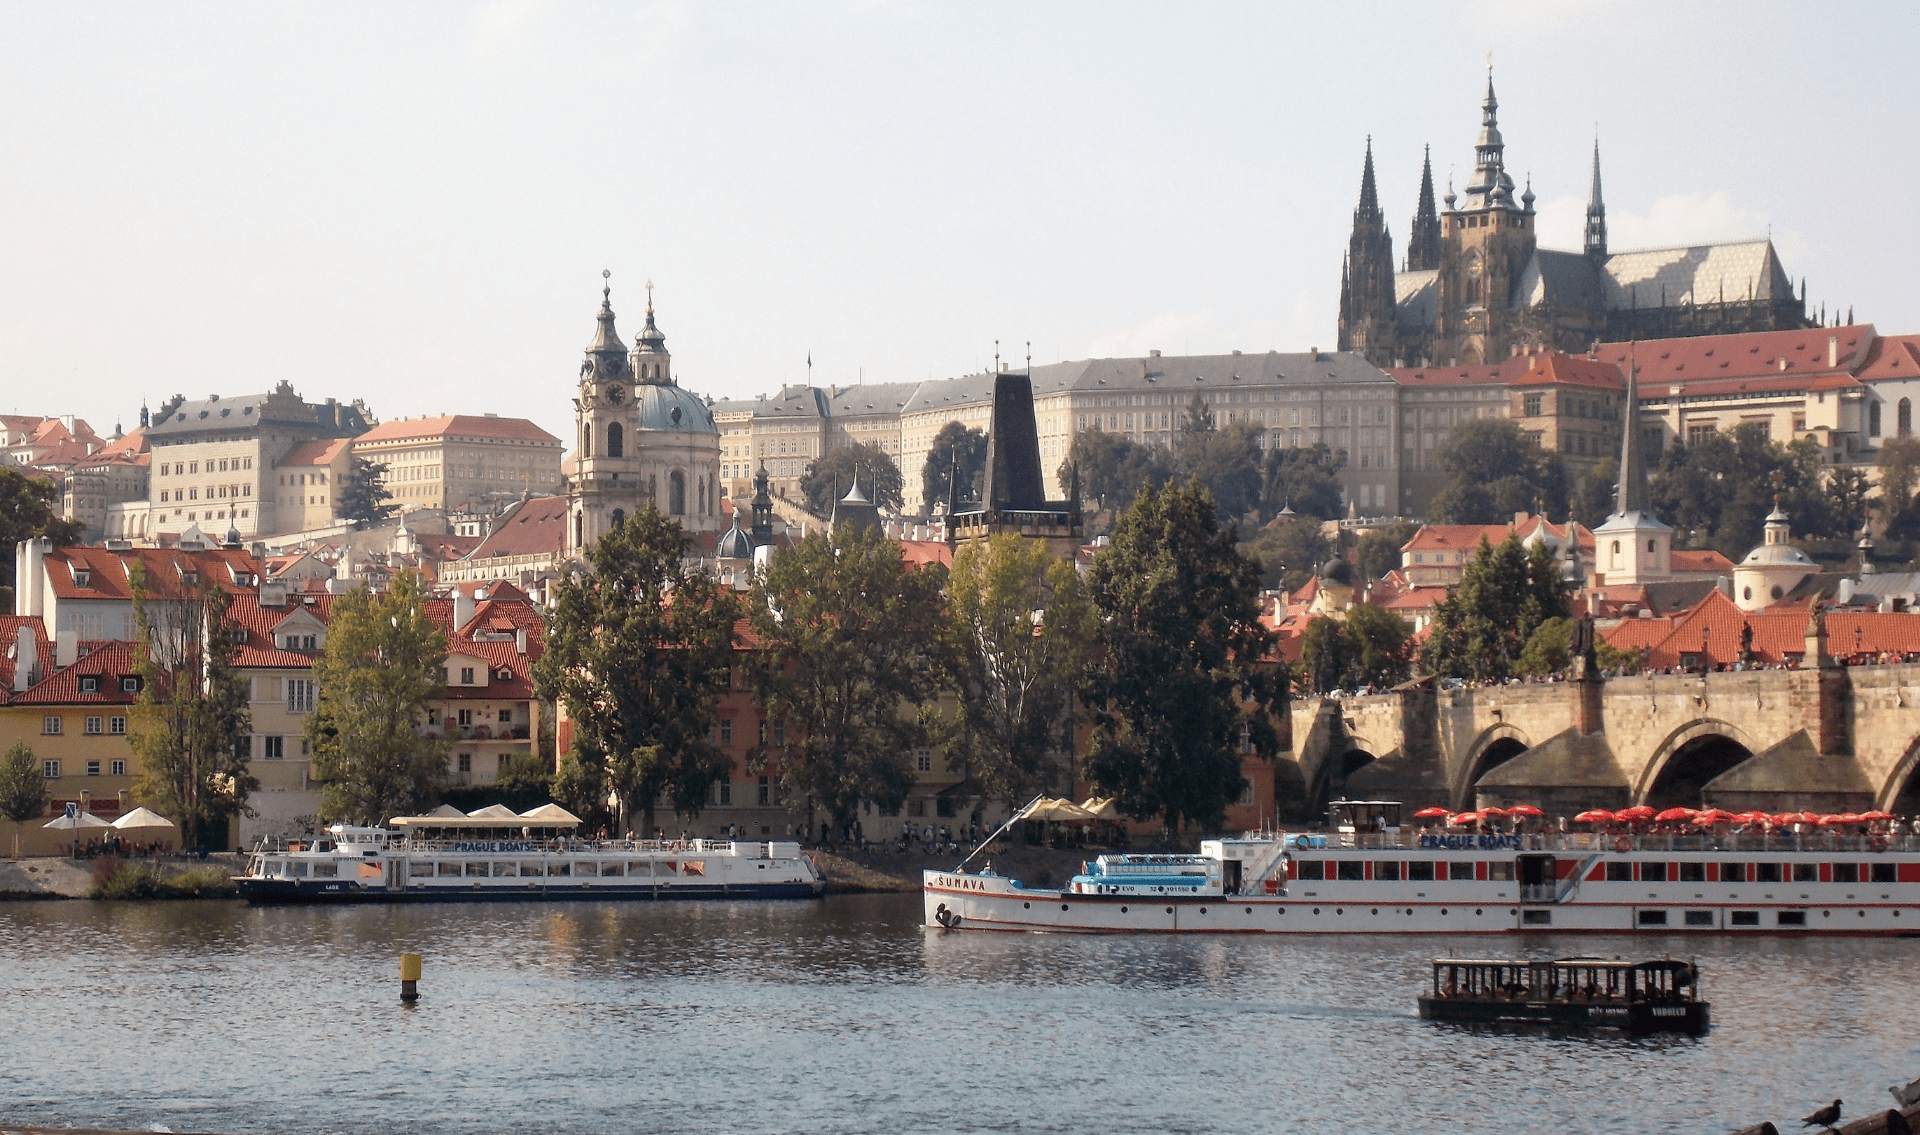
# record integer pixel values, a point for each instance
(1491, 186)
(652, 363)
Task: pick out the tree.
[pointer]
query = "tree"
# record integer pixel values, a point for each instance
(29, 507)
(1505, 593)
(1370, 648)
(1289, 550)
(1301, 478)
(641, 650)
(1327, 654)
(23, 788)
(1225, 460)
(955, 446)
(1723, 487)
(829, 478)
(1598, 492)
(1113, 467)
(852, 646)
(1188, 681)
(362, 496)
(190, 729)
(1023, 632)
(1899, 464)
(1378, 550)
(383, 667)
(1495, 471)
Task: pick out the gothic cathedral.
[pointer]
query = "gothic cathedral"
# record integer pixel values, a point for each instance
(640, 439)
(1476, 287)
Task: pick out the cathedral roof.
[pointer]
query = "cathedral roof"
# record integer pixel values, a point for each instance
(1701, 273)
(1563, 279)
(1416, 297)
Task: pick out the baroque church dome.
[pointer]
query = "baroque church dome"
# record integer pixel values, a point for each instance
(670, 408)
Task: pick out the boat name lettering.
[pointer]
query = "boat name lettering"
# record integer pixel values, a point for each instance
(491, 845)
(1471, 842)
(961, 883)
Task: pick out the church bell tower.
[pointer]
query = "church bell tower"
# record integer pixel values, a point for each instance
(604, 489)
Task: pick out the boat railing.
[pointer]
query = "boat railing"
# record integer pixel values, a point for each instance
(1802, 838)
(665, 846)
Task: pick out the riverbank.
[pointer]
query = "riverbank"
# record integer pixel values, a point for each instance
(60, 877)
(872, 871)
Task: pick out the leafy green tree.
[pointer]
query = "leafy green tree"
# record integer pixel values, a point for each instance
(1326, 653)
(1113, 467)
(852, 645)
(362, 496)
(29, 507)
(640, 650)
(1496, 470)
(1370, 647)
(1302, 478)
(1505, 593)
(383, 668)
(834, 473)
(190, 730)
(1289, 550)
(1023, 631)
(1723, 487)
(954, 447)
(1378, 550)
(1224, 459)
(1188, 676)
(1899, 464)
(23, 790)
(1596, 497)
(1547, 648)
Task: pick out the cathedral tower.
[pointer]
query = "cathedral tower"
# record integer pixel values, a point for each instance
(1487, 239)
(1596, 241)
(1367, 321)
(1423, 239)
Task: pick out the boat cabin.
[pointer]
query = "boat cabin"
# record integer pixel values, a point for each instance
(1354, 819)
(1660, 995)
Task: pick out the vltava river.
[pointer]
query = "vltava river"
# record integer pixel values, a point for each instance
(845, 1016)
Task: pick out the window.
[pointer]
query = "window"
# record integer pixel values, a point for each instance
(1387, 871)
(1693, 872)
(93, 768)
(1311, 869)
(465, 762)
(1793, 918)
(1653, 872)
(1903, 415)
(89, 684)
(117, 726)
(1619, 871)
(466, 717)
(1500, 871)
(466, 679)
(300, 695)
(1460, 870)
(130, 684)
(726, 731)
(1883, 873)
(273, 748)
(116, 768)
(50, 769)
(1733, 872)
(923, 761)
(726, 792)
(1873, 425)
(1846, 872)
(1350, 869)
(94, 725)
(1699, 918)
(1420, 871)
(1766, 872)
(1806, 872)
(1652, 918)
(764, 800)
(1532, 406)
(1743, 918)
(50, 725)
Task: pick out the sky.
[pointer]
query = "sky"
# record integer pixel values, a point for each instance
(413, 204)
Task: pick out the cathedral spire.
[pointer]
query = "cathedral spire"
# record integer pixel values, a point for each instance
(1631, 494)
(1369, 209)
(1367, 319)
(1596, 246)
(1491, 185)
(1423, 240)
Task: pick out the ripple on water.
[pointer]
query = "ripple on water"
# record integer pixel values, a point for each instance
(845, 1015)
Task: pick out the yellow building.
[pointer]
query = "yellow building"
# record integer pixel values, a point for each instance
(74, 718)
(456, 461)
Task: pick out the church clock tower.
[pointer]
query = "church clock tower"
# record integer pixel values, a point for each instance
(605, 488)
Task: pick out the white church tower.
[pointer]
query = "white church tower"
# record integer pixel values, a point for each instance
(1632, 546)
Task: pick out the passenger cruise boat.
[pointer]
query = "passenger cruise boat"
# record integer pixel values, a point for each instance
(495, 854)
(1371, 876)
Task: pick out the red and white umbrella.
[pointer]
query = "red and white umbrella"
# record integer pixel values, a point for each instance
(1595, 816)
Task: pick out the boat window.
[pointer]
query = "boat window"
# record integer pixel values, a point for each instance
(449, 869)
(1743, 918)
(1653, 918)
(1699, 918)
(1693, 872)
(1420, 871)
(1733, 872)
(296, 868)
(1846, 872)
(1651, 872)
(613, 868)
(1883, 873)
(1619, 871)
(1352, 869)
(1806, 872)
(326, 870)
(1387, 871)
(1766, 872)
(1536, 918)
(640, 868)
(554, 869)
(476, 870)
(694, 867)
(1459, 869)
(1500, 870)
(586, 867)
(1312, 869)
(417, 869)
(503, 870)
(1793, 918)
(532, 870)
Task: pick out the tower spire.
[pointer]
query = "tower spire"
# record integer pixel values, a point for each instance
(1369, 209)
(1631, 494)
(1423, 239)
(1491, 184)
(1596, 243)
(1367, 317)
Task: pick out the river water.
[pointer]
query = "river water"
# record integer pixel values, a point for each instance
(846, 1016)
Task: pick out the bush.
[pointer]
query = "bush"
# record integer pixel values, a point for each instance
(117, 879)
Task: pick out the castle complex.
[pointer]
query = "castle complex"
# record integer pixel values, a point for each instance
(1477, 288)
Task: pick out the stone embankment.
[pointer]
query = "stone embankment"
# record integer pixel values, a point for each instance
(58, 877)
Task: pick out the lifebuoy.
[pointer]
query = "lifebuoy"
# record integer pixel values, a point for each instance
(1302, 842)
(1623, 844)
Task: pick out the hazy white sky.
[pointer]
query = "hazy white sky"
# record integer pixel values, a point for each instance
(412, 203)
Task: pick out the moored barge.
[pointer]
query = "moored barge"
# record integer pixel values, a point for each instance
(496, 855)
(1635, 997)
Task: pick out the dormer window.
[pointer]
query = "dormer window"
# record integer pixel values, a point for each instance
(89, 684)
(466, 675)
(130, 684)
(82, 577)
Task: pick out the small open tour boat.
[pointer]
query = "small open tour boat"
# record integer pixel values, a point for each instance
(1661, 995)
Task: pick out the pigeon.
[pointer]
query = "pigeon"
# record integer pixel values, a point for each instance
(1825, 1117)
(1909, 1095)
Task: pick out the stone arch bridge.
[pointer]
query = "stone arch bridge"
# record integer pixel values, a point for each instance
(1828, 738)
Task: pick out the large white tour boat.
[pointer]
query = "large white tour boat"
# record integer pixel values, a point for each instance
(1369, 875)
(495, 854)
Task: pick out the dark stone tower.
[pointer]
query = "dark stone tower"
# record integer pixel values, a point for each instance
(1596, 242)
(1367, 323)
(762, 509)
(1487, 239)
(1423, 240)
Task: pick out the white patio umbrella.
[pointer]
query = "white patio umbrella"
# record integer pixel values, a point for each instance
(140, 819)
(76, 822)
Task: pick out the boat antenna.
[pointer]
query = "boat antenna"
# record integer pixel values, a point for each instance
(988, 842)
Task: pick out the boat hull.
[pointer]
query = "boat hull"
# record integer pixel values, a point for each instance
(276, 892)
(1639, 1018)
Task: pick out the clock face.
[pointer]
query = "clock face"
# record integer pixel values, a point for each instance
(614, 394)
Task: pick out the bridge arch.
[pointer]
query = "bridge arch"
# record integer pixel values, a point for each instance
(1687, 758)
(1334, 772)
(1903, 784)
(1495, 746)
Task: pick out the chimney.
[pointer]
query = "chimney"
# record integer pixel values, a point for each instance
(1833, 350)
(520, 640)
(66, 648)
(462, 609)
(26, 659)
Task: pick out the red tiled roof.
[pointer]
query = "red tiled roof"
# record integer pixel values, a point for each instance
(1892, 356)
(534, 526)
(261, 650)
(10, 642)
(1555, 369)
(920, 553)
(1779, 633)
(106, 662)
(109, 570)
(1747, 355)
(1491, 374)
(457, 425)
(1416, 599)
(1467, 537)
(317, 451)
(1682, 559)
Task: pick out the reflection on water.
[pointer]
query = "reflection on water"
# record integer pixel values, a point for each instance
(845, 1015)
